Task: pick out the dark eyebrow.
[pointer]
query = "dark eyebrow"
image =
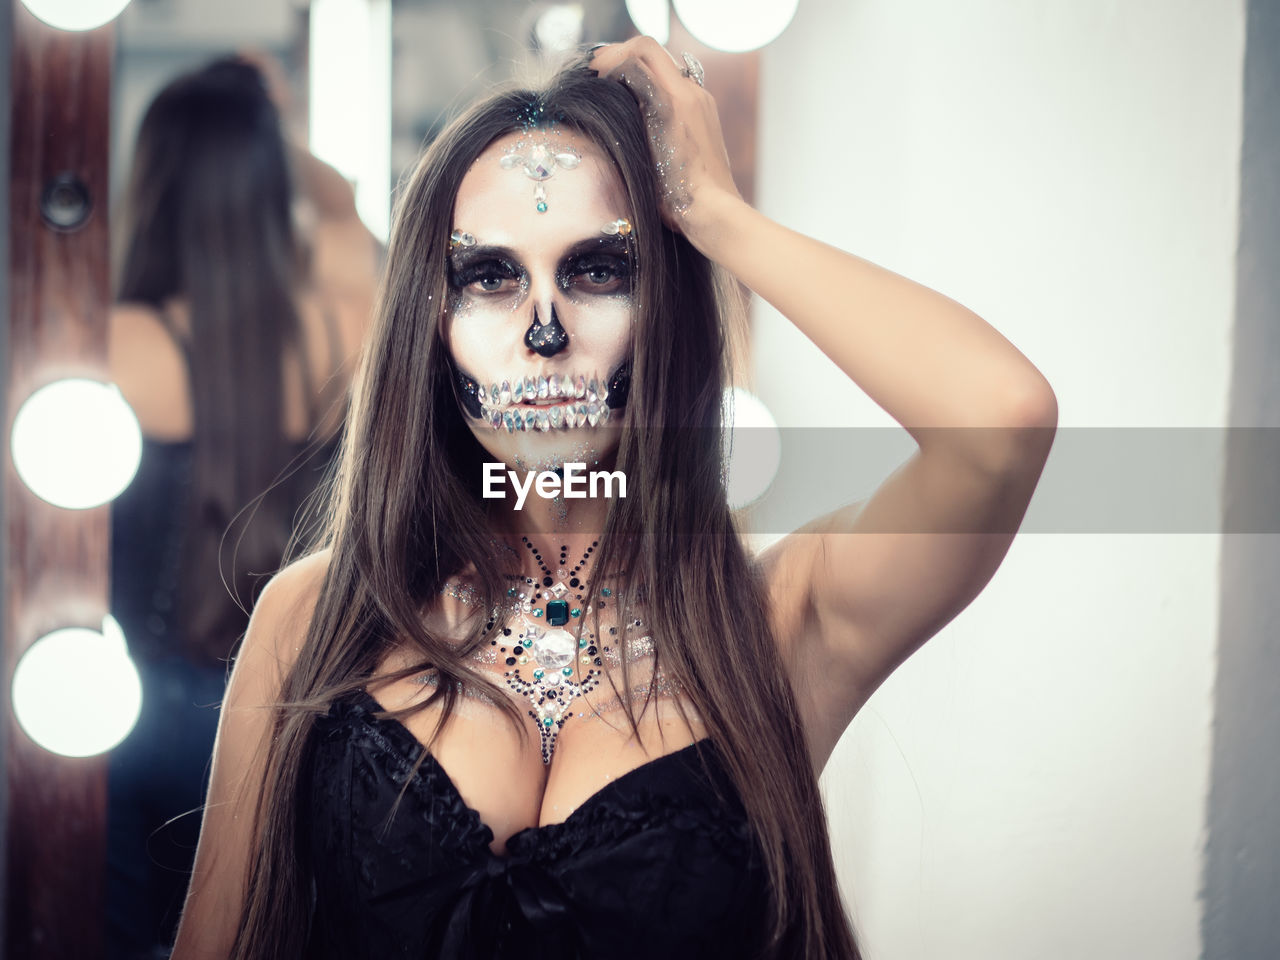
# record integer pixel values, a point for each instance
(606, 243)
(462, 257)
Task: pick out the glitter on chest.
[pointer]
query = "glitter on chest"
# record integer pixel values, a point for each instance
(551, 653)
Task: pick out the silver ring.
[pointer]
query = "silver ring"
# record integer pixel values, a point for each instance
(692, 68)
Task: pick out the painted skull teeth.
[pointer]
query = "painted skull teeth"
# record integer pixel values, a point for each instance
(530, 389)
(566, 416)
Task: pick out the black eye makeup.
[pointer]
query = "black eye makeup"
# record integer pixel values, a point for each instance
(595, 273)
(482, 274)
(598, 266)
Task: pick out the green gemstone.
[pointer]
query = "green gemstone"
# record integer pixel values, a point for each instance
(537, 674)
(606, 592)
(575, 612)
(546, 721)
(557, 613)
(582, 642)
(537, 611)
(567, 671)
(542, 206)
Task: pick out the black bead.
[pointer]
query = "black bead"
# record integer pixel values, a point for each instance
(517, 650)
(511, 661)
(575, 582)
(547, 581)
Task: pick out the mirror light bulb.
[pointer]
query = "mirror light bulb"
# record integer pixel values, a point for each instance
(76, 692)
(652, 18)
(735, 26)
(559, 27)
(752, 447)
(76, 443)
(75, 14)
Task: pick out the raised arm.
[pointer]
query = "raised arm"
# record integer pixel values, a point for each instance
(216, 895)
(856, 592)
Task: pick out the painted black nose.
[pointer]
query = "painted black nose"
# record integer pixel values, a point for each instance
(546, 339)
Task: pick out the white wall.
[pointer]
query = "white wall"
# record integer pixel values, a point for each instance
(1033, 783)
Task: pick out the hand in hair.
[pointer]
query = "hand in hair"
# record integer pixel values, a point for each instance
(684, 131)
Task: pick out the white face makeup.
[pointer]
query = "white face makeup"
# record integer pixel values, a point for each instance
(541, 303)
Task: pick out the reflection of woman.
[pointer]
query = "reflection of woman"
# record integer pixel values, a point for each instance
(233, 354)
(625, 713)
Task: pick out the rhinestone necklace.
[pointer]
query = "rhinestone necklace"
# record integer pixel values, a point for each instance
(537, 611)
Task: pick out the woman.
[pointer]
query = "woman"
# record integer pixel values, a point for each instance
(233, 349)
(551, 300)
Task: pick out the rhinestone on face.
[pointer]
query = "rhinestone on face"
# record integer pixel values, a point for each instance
(539, 165)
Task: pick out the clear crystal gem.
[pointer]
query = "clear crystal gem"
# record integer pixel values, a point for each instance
(554, 648)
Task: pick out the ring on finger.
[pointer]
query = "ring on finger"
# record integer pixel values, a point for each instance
(692, 68)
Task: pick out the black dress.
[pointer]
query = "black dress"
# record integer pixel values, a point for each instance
(660, 863)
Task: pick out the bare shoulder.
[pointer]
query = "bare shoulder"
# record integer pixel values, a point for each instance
(147, 366)
(820, 682)
(283, 612)
(278, 627)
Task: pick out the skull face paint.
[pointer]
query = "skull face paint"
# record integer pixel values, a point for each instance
(541, 304)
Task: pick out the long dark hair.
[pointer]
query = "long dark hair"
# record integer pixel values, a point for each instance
(208, 212)
(404, 520)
